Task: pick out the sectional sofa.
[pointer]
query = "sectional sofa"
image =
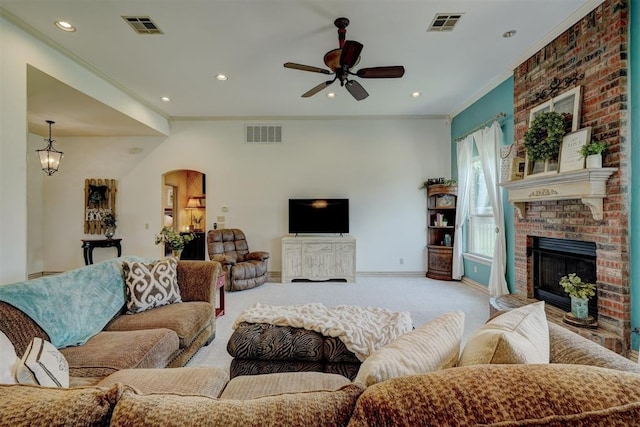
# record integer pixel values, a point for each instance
(556, 394)
(538, 374)
(87, 306)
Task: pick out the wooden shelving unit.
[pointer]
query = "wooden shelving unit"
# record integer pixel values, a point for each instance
(442, 201)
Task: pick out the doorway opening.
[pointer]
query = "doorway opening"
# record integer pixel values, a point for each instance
(184, 208)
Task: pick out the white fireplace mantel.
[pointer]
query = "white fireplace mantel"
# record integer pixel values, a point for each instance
(587, 185)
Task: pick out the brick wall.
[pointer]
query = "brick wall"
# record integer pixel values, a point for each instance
(594, 51)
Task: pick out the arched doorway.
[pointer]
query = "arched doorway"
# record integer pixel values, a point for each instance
(184, 208)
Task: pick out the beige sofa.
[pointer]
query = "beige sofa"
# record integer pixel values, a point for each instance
(166, 336)
(584, 385)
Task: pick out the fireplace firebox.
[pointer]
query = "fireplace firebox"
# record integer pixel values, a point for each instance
(554, 258)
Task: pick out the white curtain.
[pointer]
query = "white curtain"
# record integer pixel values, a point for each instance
(464, 154)
(488, 141)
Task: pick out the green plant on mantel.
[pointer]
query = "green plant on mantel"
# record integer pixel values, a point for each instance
(575, 287)
(543, 138)
(594, 147)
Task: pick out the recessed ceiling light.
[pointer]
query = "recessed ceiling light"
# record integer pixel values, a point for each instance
(166, 99)
(331, 95)
(65, 26)
(415, 94)
(221, 77)
(509, 33)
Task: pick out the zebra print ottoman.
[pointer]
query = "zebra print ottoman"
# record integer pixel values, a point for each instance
(261, 348)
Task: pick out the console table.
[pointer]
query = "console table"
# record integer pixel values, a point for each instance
(318, 258)
(88, 245)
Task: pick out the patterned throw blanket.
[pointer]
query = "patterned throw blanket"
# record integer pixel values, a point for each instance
(363, 330)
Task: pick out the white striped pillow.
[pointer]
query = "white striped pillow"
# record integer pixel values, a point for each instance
(42, 364)
(8, 360)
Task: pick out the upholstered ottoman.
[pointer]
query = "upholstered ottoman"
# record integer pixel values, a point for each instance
(260, 348)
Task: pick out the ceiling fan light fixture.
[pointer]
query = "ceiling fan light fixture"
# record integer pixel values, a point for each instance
(65, 26)
(340, 63)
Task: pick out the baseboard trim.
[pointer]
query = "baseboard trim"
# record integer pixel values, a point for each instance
(390, 274)
(42, 274)
(276, 276)
(475, 285)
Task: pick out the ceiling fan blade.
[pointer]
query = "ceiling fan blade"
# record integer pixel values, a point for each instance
(350, 53)
(306, 68)
(381, 72)
(317, 89)
(356, 90)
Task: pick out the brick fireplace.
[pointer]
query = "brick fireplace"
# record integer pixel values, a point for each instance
(592, 54)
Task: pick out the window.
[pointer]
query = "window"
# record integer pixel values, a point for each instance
(481, 236)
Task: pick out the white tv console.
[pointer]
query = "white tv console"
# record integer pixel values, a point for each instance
(314, 257)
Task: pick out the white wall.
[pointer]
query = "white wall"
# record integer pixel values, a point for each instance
(36, 235)
(377, 163)
(18, 50)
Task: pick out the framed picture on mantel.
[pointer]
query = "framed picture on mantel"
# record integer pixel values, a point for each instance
(570, 157)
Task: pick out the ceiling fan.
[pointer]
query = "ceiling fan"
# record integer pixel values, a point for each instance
(341, 60)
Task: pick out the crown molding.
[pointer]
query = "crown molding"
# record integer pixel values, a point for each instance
(576, 16)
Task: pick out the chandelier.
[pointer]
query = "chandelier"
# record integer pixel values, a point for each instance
(49, 156)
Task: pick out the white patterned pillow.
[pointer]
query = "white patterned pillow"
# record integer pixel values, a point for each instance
(8, 360)
(151, 285)
(431, 347)
(42, 364)
(516, 336)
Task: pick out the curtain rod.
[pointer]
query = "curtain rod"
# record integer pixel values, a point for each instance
(498, 116)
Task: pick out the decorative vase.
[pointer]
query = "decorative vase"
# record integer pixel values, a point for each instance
(580, 307)
(176, 252)
(109, 232)
(594, 161)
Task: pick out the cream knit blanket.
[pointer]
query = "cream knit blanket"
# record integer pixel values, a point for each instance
(363, 330)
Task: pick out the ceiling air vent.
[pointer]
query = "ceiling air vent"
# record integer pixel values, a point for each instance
(142, 24)
(444, 21)
(263, 134)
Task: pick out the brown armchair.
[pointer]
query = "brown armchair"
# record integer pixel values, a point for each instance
(243, 269)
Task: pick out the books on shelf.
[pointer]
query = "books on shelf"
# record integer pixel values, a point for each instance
(440, 220)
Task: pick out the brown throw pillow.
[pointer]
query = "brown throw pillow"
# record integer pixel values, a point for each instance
(151, 285)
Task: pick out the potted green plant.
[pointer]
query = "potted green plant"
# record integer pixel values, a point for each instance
(108, 221)
(174, 240)
(580, 292)
(593, 152)
(198, 220)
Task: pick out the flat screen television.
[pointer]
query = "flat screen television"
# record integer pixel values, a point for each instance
(315, 216)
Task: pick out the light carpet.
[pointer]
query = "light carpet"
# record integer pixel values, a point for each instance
(425, 299)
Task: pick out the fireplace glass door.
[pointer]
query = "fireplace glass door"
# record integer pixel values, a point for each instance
(555, 258)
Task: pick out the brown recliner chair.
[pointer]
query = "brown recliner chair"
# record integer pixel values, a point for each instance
(243, 269)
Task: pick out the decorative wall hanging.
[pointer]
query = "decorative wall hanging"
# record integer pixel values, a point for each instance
(568, 106)
(99, 200)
